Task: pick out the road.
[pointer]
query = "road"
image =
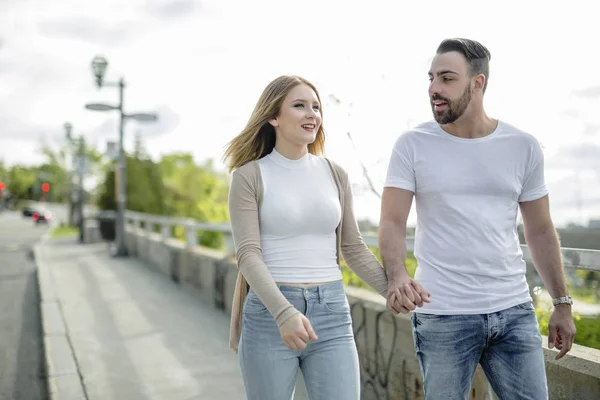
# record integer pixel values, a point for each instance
(21, 346)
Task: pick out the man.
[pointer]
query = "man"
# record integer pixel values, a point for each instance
(470, 174)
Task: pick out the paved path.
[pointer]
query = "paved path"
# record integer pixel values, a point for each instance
(133, 333)
(21, 350)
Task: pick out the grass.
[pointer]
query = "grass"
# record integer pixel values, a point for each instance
(588, 329)
(64, 231)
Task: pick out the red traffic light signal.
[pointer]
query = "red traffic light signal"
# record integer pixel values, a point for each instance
(2, 186)
(45, 187)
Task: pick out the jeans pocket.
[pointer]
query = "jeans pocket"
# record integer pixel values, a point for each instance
(338, 305)
(528, 306)
(427, 317)
(253, 305)
(429, 320)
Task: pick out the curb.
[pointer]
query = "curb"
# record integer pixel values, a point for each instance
(63, 378)
(46, 236)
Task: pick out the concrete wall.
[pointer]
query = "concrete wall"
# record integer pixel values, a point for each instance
(389, 368)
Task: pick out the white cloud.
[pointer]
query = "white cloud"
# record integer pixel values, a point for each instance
(203, 64)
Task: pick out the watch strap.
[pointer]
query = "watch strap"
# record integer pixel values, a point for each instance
(562, 300)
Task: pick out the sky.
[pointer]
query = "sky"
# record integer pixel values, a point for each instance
(201, 66)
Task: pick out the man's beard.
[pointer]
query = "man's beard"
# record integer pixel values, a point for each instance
(454, 110)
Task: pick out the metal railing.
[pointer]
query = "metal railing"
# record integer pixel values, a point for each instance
(573, 258)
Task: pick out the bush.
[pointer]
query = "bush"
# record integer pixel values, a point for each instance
(351, 279)
(213, 240)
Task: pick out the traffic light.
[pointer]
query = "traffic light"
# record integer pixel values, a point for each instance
(45, 187)
(2, 186)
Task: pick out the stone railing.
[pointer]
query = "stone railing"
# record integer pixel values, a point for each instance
(389, 368)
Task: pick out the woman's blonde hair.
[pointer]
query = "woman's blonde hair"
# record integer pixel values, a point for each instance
(258, 137)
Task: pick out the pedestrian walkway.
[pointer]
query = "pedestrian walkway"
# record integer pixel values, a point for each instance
(116, 330)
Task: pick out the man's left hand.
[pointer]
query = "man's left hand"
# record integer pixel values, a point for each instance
(561, 330)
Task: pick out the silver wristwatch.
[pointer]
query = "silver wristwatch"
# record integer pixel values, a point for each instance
(562, 300)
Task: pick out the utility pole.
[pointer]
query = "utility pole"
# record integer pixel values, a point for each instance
(81, 164)
(121, 250)
(68, 127)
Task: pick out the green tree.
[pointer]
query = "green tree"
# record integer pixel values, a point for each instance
(106, 199)
(3, 170)
(24, 182)
(175, 186)
(20, 181)
(59, 170)
(195, 191)
(145, 190)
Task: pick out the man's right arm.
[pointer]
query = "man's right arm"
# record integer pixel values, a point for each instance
(395, 207)
(404, 293)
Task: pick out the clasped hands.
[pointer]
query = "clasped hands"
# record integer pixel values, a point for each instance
(405, 294)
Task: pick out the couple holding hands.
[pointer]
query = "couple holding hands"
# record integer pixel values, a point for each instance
(292, 219)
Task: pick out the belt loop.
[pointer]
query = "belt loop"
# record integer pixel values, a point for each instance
(321, 294)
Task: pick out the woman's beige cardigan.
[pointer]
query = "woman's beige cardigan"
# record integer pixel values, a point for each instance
(245, 198)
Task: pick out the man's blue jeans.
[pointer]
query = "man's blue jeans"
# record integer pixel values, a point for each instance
(507, 344)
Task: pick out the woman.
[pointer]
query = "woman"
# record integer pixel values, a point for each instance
(291, 215)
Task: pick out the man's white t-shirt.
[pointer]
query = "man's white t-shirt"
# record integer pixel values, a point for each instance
(467, 193)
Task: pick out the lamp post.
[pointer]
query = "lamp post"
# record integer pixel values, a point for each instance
(80, 164)
(68, 130)
(99, 65)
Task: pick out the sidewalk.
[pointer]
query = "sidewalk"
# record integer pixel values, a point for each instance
(116, 330)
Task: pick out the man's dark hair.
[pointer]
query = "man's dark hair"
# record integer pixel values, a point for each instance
(477, 55)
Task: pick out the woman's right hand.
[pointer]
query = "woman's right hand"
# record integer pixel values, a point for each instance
(296, 332)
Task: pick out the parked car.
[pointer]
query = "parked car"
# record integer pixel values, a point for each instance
(42, 217)
(28, 211)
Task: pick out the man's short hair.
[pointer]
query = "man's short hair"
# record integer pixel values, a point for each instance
(477, 55)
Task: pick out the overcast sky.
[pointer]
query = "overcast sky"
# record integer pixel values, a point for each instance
(201, 65)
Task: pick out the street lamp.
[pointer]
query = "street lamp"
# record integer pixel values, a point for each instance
(80, 167)
(143, 117)
(99, 65)
(100, 107)
(68, 129)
